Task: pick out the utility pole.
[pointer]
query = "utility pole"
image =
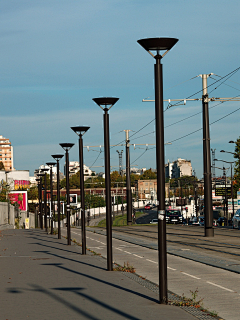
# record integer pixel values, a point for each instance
(208, 212)
(120, 161)
(128, 181)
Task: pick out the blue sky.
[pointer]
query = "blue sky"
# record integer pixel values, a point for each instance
(58, 55)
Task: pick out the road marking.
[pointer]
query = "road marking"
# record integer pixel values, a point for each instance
(151, 261)
(119, 249)
(171, 269)
(185, 249)
(214, 284)
(102, 243)
(127, 252)
(137, 255)
(187, 274)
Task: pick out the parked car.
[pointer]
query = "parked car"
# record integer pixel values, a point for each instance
(201, 220)
(147, 207)
(194, 221)
(174, 216)
(236, 220)
(154, 221)
(222, 221)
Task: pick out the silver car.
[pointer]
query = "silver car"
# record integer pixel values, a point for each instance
(236, 220)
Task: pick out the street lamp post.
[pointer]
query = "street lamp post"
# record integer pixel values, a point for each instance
(80, 131)
(58, 157)
(51, 165)
(158, 44)
(38, 214)
(45, 198)
(67, 147)
(40, 175)
(107, 102)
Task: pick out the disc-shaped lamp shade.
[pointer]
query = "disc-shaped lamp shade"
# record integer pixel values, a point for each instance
(231, 141)
(80, 130)
(38, 179)
(50, 164)
(157, 44)
(41, 174)
(222, 151)
(66, 146)
(44, 170)
(57, 157)
(107, 101)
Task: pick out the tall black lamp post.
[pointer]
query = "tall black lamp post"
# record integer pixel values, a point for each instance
(51, 165)
(159, 44)
(80, 131)
(107, 104)
(58, 157)
(45, 198)
(40, 175)
(38, 214)
(67, 147)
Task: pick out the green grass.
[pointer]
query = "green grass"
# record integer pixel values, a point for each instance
(119, 220)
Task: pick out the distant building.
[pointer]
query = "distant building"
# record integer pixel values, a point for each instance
(178, 168)
(137, 171)
(147, 189)
(6, 153)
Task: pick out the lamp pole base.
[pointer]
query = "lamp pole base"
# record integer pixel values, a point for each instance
(209, 232)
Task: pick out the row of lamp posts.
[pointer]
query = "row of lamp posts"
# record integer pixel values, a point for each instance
(151, 44)
(157, 45)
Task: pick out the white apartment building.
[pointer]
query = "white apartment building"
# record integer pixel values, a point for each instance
(178, 168)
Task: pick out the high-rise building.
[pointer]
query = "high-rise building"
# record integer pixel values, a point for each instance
(6, 153)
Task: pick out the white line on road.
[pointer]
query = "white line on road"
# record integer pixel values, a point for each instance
(187, 274)
(214, 284)
(151, 261)
(119, 249)
(127, 252)
(171, 269)
(137, 255)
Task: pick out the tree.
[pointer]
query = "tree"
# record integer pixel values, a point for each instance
(2, 166)
(236, 182)
(148, 174)
(33, 193)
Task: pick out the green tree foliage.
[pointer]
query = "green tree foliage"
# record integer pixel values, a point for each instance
(2, 166)
(236, 182)
(116, 179)
(97, 182)
(148, 175)
(94, 201)
(33, 193)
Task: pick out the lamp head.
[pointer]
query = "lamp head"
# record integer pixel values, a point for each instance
(51, 164)
(157, 44)
(66, 146)
(80, 130)
(231, 141)
(41, 175)
(57, 157)
(107, 101)
(44, 170)
(222, 151)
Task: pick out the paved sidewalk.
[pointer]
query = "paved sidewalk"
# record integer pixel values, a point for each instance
(43, 278)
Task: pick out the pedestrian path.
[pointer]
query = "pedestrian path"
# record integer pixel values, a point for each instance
(44, 278)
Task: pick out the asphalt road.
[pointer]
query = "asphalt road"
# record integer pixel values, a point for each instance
(147, 217)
